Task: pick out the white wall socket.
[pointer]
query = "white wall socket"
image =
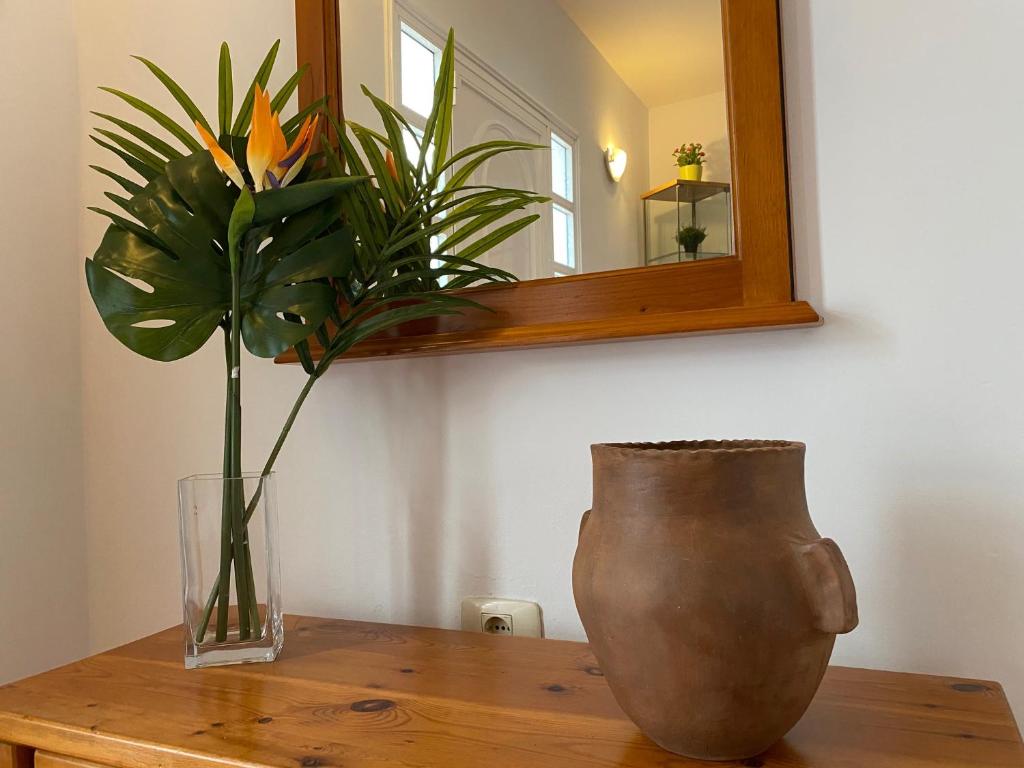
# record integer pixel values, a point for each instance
(498, 616)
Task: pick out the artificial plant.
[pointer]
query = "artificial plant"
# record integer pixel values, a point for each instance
(248, 230)
(690, 238)
(689, 154)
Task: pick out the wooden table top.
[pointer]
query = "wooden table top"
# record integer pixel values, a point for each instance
(355, 694)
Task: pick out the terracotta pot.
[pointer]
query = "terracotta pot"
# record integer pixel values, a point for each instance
(709, 598)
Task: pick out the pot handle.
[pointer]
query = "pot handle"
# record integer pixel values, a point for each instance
(583, 522)
(829, 587)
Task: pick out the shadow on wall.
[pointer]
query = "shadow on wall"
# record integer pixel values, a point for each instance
(414, 438)
(369, 544)
(418, 455)
(718, 150)
(479, 537)
(448, 544)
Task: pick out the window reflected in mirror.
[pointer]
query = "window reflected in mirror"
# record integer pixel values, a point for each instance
(628, 100)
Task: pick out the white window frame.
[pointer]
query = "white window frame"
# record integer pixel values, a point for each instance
(404, 23)
(569, 206)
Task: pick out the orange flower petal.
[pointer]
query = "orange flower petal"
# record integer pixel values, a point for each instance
(280, 144)
(297, 145)
(259, 152)
(306, 137)
(220, 157)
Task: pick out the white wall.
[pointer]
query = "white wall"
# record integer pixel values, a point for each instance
(408, 484)
(43, 599)
(703, 119)
(534, 45)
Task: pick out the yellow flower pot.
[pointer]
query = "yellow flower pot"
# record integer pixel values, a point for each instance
(690, 172)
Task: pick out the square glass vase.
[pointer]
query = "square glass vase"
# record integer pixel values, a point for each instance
(230, 525)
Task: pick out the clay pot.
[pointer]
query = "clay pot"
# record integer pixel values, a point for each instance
(710, 600)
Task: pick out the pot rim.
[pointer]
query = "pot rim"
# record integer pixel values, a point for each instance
(689, 447)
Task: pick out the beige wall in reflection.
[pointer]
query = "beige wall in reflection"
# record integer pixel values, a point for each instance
(702, 119)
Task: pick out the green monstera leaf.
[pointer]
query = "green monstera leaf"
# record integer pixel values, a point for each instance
(161, 278)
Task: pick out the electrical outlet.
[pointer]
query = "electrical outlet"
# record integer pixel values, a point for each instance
(496, 623)
(499, 616)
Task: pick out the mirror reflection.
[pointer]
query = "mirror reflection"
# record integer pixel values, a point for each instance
(629, 97)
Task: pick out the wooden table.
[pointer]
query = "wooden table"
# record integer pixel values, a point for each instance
(354, 694)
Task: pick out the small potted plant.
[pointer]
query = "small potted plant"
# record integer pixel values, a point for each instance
(690, 239)
(690, 159)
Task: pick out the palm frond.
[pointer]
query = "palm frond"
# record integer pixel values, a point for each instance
(127, 185)
(498, 236)
(158, 145)
(178, 93)
(397, 276)
(225, 90)
(438, 130)
(137, 151)
(292, 124)
(136, 165)
(285, 92)
(181, 134)
(261, 78)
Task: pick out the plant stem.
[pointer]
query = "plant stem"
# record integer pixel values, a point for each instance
(237, 497)
(280, 443)
(254, 608)
(223, 588)
(251, 508)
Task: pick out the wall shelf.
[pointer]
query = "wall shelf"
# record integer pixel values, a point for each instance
(683, 191)
(796, 314)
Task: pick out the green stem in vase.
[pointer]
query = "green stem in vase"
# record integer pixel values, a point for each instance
(222, 590)
(254, 608)
(241, 219)
(235, 481)
(254, 502)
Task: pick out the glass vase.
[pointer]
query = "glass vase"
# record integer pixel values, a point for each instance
(230, 573)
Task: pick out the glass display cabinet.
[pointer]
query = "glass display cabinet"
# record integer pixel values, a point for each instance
(671, 213)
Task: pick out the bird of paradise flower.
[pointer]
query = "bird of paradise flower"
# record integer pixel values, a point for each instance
(272, 163)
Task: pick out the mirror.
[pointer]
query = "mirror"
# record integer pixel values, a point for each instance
(580, 77)
(614, 92)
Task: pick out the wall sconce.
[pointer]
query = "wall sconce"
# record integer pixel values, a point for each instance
(615, 159)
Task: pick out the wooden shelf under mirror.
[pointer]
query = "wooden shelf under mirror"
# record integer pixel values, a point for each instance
(751, 289)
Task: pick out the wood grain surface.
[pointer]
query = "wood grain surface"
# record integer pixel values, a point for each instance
(757, 138)
(797, 314)
(46, 760)
(15, 757)
(358, 695)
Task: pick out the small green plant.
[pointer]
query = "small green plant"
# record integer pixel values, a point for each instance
(689, 154)
(691, 238)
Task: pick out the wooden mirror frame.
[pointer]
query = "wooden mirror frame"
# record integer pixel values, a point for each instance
(752, 289)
